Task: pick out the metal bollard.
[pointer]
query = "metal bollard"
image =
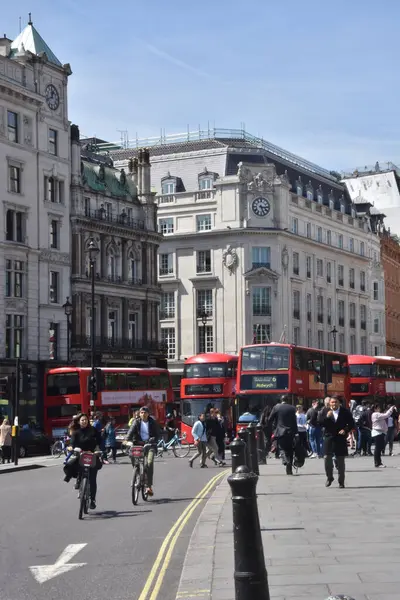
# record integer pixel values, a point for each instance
(262, 452)
(252, 445)
(238, 453)
(251, 578)
(242, 435)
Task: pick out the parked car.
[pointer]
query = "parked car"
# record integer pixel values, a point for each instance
(33, 442)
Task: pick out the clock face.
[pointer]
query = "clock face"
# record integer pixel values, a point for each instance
(260, 206)
(52, 97)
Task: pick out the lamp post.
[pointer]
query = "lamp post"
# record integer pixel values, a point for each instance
(203, 316)
(68, 308)
(334, 333)
(93, 251)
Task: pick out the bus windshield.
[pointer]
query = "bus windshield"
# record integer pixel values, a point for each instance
(196, 407)
(362, 370)
(62, 384)
(265, 358)
(200, 370)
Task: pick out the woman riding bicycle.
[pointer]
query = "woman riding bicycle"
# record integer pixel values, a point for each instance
(87, 439)
(145, 430)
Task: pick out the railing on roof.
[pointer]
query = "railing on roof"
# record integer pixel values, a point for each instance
(378, 167)
(218, 134)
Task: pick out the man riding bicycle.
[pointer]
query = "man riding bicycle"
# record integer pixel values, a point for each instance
(145, 430)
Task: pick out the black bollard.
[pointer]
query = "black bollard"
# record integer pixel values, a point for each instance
(252, 448)
(242, 435)
(262, 453)
(238, 453)
(251, 578)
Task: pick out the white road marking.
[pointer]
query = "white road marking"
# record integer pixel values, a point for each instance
(43, 573)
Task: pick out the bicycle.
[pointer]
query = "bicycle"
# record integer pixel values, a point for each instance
(139, 478)
(87, 461)
(60, 447)
(180, 450)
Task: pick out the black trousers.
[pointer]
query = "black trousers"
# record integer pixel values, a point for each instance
(286, 448)
(6, 453)
(340, 464)
(379, 448)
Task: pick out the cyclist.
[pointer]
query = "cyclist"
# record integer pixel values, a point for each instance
(88, 439)
(145, 430)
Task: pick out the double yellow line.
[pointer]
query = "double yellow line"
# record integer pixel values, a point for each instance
(165, 554)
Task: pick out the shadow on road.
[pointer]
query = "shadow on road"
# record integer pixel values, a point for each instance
(371, 487)
(114, 514)
(170, 500)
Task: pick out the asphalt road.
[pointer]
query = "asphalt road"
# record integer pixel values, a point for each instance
(40, 519)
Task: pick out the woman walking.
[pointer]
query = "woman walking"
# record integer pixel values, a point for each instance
(379, 431)
(110, 439)
(5, 441)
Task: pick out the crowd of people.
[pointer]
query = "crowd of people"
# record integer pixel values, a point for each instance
(209, 432)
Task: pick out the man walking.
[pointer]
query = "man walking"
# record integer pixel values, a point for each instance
(283, 423)
(212, 430)
(337, 422)
(200, 441)
(314, 430)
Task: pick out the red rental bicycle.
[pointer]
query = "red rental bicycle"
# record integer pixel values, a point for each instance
(87, 461)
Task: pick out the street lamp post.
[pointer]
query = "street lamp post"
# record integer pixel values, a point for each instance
(203, 316)
(334, 333)
(68, 308)
(93, 251)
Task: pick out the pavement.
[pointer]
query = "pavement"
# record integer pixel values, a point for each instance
(317, 541)
(31, 463)
(118, 551)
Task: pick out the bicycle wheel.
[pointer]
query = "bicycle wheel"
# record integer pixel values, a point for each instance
(144, 485)
(181, 450)
(160, 452)
(135, 485)
(57, 449)
(83, 497)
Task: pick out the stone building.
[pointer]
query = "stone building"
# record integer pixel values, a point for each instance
(390, 257)
(34, 216)
(117, 209)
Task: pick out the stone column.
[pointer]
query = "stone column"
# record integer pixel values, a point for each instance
(145, 275)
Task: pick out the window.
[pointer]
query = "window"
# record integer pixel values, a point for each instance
(15, 278)
(50, 189)
(295, 225)
(262, 301)
(54, 234)
(14, 178)
(320, 267)
(341, 275)
(296, 305)
(87, 206)
(53, 142)
(60, 192)
(168, 305)
(54, 287)
(309, 338)
(204, 261)
(353, 345)
(331, 204)
(14, 226)
(168, 338)
(363, 345)
(166, 225)
(320, 309)
(376, 325)
(12, 125)
(341, 342)
(376, 290)
(206, 338)
(309, 313)
(362, 281)
(352, 278)
(308, 267)
(296, 335)
(132, 320)
(340, 241)
(320, 198)
(320, 339)
(308, 230)
(319, 234)
(54, 331)
(376, 350)
(261, 257)
(203, 222)
(329, 237)
(166, 264)
(341, 313)
(329, 311)
(112, 330)
(329, 272)
(299, 189)
(261, 333)
(205, 183)
(108, 209)
(296, 261)
(205, 302)
(89, 321)
(351, 244)
(310, 195)
(14, 335)
(112, 265)
(363, 316)
(168, 187)
(342, 208)
(362, 248)
(352, 315)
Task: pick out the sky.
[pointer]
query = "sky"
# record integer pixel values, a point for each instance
(319, 79)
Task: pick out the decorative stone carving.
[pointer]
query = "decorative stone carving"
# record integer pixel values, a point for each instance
(113, 302)
(230, 259)
(285, 258)
(244, 173)
(60, 258)
(134, 305)
(285, 178)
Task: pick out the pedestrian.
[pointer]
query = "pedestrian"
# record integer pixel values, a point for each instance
(199, 434)
(170, 427)
(283, 423)
(337, 422)
(212, 429)
(392, 430)
(362, 420)
(72, 427)
(379, 431)
(314, 430)
(99, 426)
(302, 426)
(220, 439)
(5, 441)
(110, 439)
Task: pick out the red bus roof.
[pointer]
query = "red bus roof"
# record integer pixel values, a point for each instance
(294, 347)
(108, 369)
(211, 357)
(362, 359)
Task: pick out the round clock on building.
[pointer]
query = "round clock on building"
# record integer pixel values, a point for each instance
(52, 97)
(260, 206)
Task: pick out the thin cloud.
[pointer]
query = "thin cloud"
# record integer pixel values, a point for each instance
(177, 61)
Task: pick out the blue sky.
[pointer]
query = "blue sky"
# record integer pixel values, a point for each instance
(318, 78)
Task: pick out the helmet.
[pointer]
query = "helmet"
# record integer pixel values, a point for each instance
(169, 416)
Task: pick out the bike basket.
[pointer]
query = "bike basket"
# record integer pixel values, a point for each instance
(137, 451)
(87, 459)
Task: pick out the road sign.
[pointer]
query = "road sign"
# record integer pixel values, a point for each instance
(43, 573)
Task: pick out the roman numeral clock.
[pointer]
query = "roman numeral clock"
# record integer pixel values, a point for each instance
(52, 97)
(261, 207)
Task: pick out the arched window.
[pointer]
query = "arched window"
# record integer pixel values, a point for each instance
(134, 274)
(112, 264)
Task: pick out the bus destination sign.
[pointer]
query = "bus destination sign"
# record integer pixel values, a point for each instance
(265, 382)
(204, 388)
(278, 381)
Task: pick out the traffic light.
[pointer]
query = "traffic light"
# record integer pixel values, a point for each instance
(93, 386)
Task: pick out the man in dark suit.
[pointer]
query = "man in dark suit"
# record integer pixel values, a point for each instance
(282, 421)
(337, 422)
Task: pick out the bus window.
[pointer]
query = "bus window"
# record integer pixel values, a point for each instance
(204, 370)
(159, 381)
(232, 369)
(136, 381)
(62, 384)
(265, 358)
(63, 410)
(111, 381)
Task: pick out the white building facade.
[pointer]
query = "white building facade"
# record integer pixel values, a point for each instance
(253, 255)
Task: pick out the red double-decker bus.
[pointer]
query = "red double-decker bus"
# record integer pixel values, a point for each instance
(209, 381)
(119, 392)
(266, 371)
(374, 378)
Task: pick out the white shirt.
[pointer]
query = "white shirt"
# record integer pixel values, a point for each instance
(335, 414)
(144, 431)
(301, 421)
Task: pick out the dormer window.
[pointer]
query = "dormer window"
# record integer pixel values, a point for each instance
(168, 187)
(342, 208)
(206, 183)
(331, 204)
(353, 213)
(299, 189)
(310, 194)
(320, 196)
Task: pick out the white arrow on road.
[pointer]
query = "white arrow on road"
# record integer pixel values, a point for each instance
(62, 565)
